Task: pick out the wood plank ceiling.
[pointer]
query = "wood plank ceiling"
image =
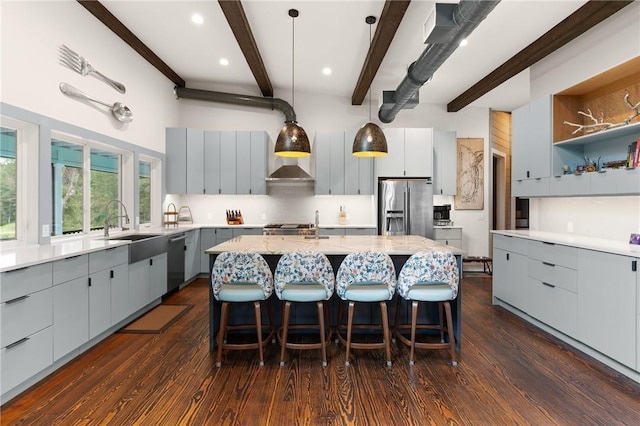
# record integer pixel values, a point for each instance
(583, 19)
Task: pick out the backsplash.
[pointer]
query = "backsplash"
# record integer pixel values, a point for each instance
(283, 205)
(612, 218)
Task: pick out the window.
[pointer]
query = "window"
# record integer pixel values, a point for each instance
(84, 180)
(8, 183)
(144, 191)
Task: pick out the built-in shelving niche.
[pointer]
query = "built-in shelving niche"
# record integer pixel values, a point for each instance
(603, 95)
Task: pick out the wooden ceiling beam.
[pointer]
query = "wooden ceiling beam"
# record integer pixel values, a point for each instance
(589, 15)
(390, 19)
(234, 12)
(98, 10)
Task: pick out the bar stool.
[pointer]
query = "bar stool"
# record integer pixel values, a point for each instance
(366, 277)
(242, 277)
(304, 277)
(428, 277)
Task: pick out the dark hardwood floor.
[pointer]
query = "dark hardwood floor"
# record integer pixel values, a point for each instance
(509, 373)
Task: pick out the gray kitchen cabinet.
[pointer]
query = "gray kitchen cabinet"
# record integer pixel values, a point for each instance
(245, 231)
(252, 165)
(531, 146)
(445, 162)
(120, 306)
(358, 171)
(184, 167)
(449, 236)
(210, 237)
(553, 279)
(70, 316)
(192, 255)
(212, 183)
(26, 323)
(607, 304)
(108, 273)
(509, 263)
(332, 231)
(360, 231)
(410, 153)
(329, 154)
(228, 158)
(70, 304)
(176, 160)
(147, 281)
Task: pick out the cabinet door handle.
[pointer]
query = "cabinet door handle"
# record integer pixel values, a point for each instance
(17, 299)
(507, 256)
(548, 264)
(548, 243)
(150, 262)
(111, 274)
(72, 257)
(89, 282)
(16, 270)
(14, 344)
(548, 285)
(634, 265)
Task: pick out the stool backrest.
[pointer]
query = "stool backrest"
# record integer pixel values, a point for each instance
(366, 267)
(239, 267)
(304, 267)
(429, 267)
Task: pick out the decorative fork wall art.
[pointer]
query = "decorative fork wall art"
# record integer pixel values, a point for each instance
(81, 65)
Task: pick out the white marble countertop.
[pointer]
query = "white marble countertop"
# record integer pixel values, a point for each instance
(13, 256)
(261, 225)
(334, 244)
(591, 243)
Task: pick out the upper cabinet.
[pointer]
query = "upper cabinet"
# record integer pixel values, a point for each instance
(531, 148)
(444, 162)
(410, 153)
(216, 162)
(582, 160)
(338, 172)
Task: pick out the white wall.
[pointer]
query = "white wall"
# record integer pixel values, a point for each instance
(609, 44)
(32, 32)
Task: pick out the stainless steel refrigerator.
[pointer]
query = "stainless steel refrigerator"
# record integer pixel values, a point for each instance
(405, 207)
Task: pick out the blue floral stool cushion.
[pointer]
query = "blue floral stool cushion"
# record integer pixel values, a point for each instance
(304, 276)
(429, 277)
(242, 277)
(366, 277)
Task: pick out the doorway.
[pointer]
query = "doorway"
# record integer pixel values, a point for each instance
(498, 192)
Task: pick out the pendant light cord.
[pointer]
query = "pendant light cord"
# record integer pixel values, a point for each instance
(293, 61)
(369, 72)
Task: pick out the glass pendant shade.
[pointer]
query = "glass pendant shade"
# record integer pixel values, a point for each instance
(292, 142)
(370, 141)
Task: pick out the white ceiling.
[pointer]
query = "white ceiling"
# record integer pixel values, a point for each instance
(333, 33)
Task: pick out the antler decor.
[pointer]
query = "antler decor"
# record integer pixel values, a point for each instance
(600, 125)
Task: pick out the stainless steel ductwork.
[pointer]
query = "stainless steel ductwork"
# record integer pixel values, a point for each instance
(465, 17)
(235, 99)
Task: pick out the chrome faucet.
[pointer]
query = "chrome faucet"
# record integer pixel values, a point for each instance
(317, 235)
(107, 223)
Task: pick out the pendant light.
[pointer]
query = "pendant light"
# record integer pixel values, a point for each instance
(370, 140)
(292, 140)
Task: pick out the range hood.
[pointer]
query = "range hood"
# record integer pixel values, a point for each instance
(289, 173)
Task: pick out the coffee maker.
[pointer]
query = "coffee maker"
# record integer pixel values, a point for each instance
(441, 215)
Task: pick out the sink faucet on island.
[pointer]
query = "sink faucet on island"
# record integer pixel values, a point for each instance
(316, 235)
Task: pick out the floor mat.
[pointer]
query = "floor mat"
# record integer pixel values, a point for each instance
(156, 320)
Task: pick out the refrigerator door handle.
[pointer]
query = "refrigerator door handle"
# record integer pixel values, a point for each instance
(407, 211)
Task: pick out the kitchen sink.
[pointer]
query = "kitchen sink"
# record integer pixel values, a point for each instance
(133, 237)
(143, 246)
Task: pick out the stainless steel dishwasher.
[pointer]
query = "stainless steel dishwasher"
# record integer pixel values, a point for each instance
(175, 261)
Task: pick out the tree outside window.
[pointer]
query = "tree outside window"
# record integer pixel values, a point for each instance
(8, 183)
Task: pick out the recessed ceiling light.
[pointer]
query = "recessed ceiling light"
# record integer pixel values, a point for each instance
(197, 19)
(464, 42)
(326, 71)
(224, 62)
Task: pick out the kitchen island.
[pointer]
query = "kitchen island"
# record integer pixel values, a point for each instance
(271, 247)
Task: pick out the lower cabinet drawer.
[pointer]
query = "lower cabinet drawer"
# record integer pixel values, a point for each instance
(27, 280)
(447, 233)
(554, 306)
(511, 244)
(555, 254)
(553, 274)
(25, 316)
(22, 361)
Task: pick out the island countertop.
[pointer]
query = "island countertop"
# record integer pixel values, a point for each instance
(332, 245)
